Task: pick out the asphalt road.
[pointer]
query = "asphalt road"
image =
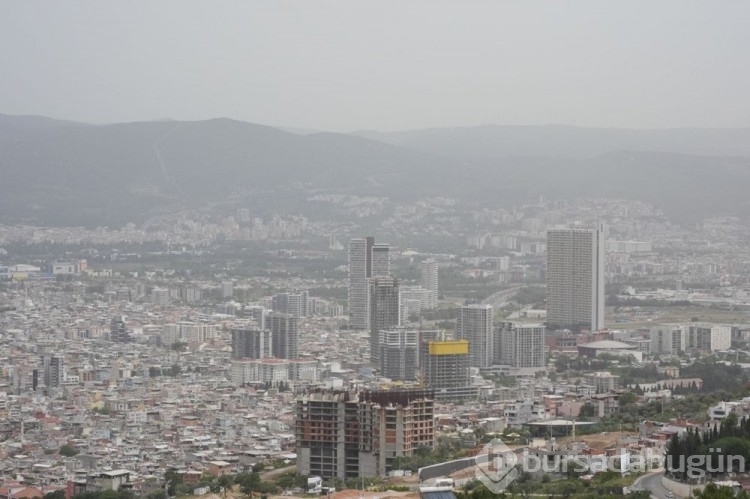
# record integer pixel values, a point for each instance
(652, 483)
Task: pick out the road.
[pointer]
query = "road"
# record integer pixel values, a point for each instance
(651, 483)
(501, 298)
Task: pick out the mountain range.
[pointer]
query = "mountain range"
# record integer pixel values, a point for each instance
(65, 173)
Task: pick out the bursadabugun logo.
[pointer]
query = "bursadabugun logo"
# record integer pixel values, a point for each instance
(496, 466)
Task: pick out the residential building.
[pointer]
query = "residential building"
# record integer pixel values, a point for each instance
(381, 260)
(360, 269)
(709, 337)
(521, 345)
(603, 381)
(118, 331)
(53, 370)
(291, 303)
(398, 353)
(474, 324)
(251, 343)
(668, 338)
(429, 269)
(385, 310)
(575, 278)
(285, 335)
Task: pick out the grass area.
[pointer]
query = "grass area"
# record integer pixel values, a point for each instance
(649, 316)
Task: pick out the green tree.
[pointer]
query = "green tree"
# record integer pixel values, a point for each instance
(68, 450)
(713, 491)
(58, 494)
(248, 482)
(173, 479)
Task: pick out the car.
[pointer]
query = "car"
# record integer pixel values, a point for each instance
(669, 495)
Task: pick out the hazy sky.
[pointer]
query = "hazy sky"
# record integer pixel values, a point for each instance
(352, 64)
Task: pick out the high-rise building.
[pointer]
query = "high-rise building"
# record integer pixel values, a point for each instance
(521, 345)
(366, 260)
(430, 281)
(709, 337)
(359, 434)
(359, 270)
(381, 260)
(285, 335)
(118, 332)
(53, 370)
(257, 313)
(668, 338)
(414, 299)
(291, 303)
(251, 343)
(445, 369)
(398, 357)
(575, 278)
(160, 296)
(474, 323)
(385, 310)
(227, 289)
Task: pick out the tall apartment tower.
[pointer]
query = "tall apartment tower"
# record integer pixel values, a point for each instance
(284, 335)
(385, 310)
(669, 338)
(575, 278)
(251, 343)
(53, 370)
(360, 268)
(430, 281)
(399, 353)
(474, 323)
(521, 345)
(291, 303)
(118, 332)
(366, 260)
(381, 260)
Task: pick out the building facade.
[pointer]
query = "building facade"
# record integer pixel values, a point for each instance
(575, 278)
(284, 335)
(251, 343)
(430, 281)
(399, 351)
(474, 324)
(521, 345)
(445, 369)
(385, 310)
(345, 434)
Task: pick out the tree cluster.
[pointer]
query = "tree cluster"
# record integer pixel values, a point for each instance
(713, 452)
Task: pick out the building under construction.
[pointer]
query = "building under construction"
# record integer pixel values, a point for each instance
(348, 434)
(445, 369)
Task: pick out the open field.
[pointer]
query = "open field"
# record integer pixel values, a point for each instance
(635, 317)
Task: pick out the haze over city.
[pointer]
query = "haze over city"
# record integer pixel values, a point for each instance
(374, 250)
(381, 65)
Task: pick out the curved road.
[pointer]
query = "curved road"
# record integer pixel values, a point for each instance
(651, 483)
(501, 298)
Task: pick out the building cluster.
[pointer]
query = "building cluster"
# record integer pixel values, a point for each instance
(331, 358)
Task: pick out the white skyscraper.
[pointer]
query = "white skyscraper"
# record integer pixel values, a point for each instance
(474, 323)
(575, 278)
(359, 317)
(430, 281)
(366, 259)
